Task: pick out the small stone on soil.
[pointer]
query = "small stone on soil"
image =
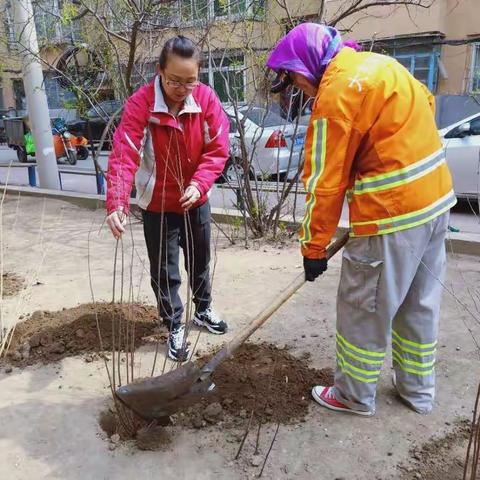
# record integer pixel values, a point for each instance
(115, 438)
(197, 422)
(57, 348)
(213, 413)
(153, 438)
(8, 369)
(45, 340)
(35, 340)
(80, 333)
(17, 356)
(256, 461)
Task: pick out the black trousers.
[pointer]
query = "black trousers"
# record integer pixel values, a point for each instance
(165, 234)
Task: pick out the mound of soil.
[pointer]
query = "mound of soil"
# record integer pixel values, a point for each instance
(12, 284)
(50, 336)
(261, 378)
(121, 424)
(268, 380)
(441, 458)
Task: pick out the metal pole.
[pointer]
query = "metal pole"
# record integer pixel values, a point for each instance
(98, 172)
(35, 94)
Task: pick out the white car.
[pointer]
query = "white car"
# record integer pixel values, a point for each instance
(274, 145)
(462, 149)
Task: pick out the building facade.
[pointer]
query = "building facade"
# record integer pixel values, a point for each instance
(440, 45)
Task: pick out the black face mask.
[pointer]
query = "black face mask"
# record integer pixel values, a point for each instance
(281, 82)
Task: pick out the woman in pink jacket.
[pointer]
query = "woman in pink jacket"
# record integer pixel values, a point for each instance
(173, 140)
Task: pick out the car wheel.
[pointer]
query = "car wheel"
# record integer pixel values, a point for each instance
(233, 172)
(22, 155)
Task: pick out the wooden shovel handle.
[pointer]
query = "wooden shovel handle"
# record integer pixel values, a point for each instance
(263, 316)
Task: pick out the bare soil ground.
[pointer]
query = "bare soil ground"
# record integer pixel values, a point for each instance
(49, 411)
(12, 284)
(50, 336)
(441, 457)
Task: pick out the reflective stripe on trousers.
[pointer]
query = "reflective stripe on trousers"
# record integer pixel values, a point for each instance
(390, 289)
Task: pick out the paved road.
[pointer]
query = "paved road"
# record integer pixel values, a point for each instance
(464, 217)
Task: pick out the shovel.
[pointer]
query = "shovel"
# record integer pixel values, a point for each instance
(161, 396)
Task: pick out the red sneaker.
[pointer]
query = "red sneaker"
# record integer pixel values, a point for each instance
(325, 396)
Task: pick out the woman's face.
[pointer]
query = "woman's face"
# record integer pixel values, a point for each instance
(302, 83)
(179, 77)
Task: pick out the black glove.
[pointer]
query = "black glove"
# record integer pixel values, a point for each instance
(314, 267)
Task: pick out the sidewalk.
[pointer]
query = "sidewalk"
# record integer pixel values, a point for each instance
(465, 241)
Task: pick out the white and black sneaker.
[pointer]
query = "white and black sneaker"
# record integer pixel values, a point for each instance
(177, 344)
(210, 321)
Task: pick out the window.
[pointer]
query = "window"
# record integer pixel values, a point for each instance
(57, 96)
(201, 10)
(475, 75)
(49, 28)
(263, 117)
(19, 93)
(104, 109)
(194, 10)
(226, 75)
(223, 8)
(475, 126)
(45, 22)
(417, 54)
(143, 73)
(9, 28)
(422, 66)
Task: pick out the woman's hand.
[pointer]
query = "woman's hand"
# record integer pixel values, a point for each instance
(190, 197)
(116, 221)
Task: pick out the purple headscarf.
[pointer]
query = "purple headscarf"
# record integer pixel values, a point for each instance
(308, 49)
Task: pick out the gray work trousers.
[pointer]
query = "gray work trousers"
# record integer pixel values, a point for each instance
(390, 287)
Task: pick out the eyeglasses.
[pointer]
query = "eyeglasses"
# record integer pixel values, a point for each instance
(187, 85)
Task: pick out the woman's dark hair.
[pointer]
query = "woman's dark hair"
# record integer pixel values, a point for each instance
(181, 46)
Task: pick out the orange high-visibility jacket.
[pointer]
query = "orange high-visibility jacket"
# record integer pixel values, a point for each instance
(372, 137)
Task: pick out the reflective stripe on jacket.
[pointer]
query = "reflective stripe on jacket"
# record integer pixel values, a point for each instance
(372, 137)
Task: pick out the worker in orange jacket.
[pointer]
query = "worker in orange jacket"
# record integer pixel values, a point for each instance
(372, 138)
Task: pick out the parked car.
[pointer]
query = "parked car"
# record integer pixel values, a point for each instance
(462, 150)
(98, 117)
(272, 144)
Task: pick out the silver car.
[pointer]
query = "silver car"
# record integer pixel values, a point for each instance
(274, 145)
(462, 149)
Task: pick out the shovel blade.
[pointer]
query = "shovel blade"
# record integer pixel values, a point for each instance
(163, 395)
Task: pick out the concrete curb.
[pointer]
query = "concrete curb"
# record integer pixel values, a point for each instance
(459, 243)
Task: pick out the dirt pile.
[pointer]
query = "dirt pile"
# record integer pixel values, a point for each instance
(259, 378)
(12, 284)
(50, 336)
(268, 380)
(441, 458)
(121, 424)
